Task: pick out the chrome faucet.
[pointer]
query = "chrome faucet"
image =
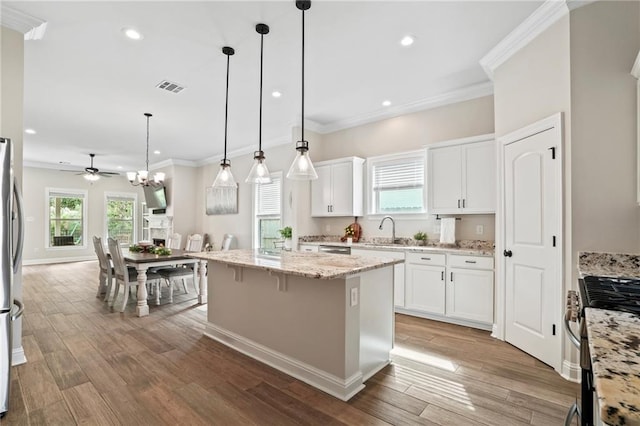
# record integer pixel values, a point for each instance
(393, 228)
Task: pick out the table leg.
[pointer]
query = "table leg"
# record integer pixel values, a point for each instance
(202, 297)
(142, 309)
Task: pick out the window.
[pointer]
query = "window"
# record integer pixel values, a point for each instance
(120, 217)
(396, 183)
(66, 218)
(268, 212)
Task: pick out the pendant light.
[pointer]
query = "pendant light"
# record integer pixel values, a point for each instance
(225, 179)
(259, 172)
(142, 176)
(302, 167)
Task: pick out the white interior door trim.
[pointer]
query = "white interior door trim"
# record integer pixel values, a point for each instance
(552, 123)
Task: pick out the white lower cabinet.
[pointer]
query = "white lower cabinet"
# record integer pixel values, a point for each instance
(398, 272)
(470, 295)
(450, 287)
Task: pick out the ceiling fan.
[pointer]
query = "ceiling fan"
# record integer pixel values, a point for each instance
(91, 173)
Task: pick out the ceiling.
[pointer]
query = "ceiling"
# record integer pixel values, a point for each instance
(87, 85)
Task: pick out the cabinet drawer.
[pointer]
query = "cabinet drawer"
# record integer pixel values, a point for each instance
(426, 258)
(475, 262)
(308, 248)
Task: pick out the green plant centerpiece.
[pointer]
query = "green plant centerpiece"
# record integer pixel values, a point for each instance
(161, 251)
(286, 233)
(134, 248)
(420, 237)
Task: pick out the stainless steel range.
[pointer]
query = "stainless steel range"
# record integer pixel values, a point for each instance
(612, 293)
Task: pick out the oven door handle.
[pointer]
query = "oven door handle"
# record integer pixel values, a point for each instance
(572, 336)
(572, 413)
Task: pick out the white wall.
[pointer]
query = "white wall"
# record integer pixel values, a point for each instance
(11, 126)
(35, 182)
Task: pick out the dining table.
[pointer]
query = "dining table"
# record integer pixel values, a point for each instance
(142, 261)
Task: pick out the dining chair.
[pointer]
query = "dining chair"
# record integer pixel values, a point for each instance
(174, 241)
(105, 275)
(127, 276)
(183, 272)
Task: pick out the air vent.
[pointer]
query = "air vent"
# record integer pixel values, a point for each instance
(171, 87)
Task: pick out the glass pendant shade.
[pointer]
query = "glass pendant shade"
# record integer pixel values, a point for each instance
(259, 172)
(302, 167)
(225, 178)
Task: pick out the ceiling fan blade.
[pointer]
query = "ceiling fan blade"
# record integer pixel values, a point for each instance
(108, 174)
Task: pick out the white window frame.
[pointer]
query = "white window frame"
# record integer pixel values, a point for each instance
(256, 216)
(408, 155)
(85, 219)
(127, 195)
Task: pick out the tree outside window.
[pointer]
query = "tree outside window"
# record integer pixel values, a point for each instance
(66, 219)
(121, 219)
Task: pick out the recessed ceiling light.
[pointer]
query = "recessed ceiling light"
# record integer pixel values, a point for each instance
(276, 94)
(30, 131)
(386, 103)
(132, 33)
(119, 167)
(156, 152)
(407, 41)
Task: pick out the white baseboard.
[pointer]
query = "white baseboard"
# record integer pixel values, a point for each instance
(18, 357)
(571, 371)
(472, 324)
(27, 262)
(343, 389)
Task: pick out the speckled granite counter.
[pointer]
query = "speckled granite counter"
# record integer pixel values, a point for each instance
(311, 265)
(614, 342)
(609, 264)
(483, 248)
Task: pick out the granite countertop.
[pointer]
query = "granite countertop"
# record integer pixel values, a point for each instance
(614, 342)
(609, 264)
(480, 248)
(322, 266)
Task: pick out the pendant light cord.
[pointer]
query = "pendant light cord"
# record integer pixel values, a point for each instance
(226, 111)
(260, 126)
(302, 75)
(147, 169)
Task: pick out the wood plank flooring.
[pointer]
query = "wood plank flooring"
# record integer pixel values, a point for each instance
(90, 365)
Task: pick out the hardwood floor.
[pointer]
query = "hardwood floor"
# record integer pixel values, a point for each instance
(89, 365)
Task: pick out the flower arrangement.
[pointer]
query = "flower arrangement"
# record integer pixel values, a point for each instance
(134, 248)
(349, 232)
(161, 251)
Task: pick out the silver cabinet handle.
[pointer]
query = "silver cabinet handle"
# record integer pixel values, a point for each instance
(17, 256)
(463, 202)
(458, 203)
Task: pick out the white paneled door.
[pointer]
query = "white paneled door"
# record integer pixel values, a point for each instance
(532, 255)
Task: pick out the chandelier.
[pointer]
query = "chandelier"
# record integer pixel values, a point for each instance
(142, 176)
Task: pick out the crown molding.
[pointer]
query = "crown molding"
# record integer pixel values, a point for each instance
(635, 71)
(172, 162)
(541, 19)
(272, 143)
(33, 28)
(460, 95)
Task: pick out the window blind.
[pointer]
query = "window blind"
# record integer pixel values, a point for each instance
(399, 173)
(269, 197)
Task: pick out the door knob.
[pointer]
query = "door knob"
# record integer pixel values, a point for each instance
(507, 253)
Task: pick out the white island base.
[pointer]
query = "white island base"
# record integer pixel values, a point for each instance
(333, 334)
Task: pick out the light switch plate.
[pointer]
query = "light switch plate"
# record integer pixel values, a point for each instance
(479, 229)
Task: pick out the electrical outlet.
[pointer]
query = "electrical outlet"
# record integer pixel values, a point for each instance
(479, 229)
(354, 296)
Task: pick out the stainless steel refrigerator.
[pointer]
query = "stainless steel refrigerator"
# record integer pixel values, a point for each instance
(11, 238)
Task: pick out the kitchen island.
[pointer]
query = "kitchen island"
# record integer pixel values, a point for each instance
(325, 319)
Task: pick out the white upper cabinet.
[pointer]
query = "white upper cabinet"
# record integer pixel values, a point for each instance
(338, 191)
(461, 176)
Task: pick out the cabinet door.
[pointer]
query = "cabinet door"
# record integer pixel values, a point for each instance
(470, 295)
(425, 288)
(444, 180)
(321, 192)
(341, 190)
(479, 190)
(398, 271)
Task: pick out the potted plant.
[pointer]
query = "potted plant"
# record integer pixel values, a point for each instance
(420, 237)
(286, 233)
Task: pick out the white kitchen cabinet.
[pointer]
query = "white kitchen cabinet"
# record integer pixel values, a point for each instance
(461, 176)
(398, 271)
(425, 282)
(470, 294)
(310, 248)
(338, 191)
